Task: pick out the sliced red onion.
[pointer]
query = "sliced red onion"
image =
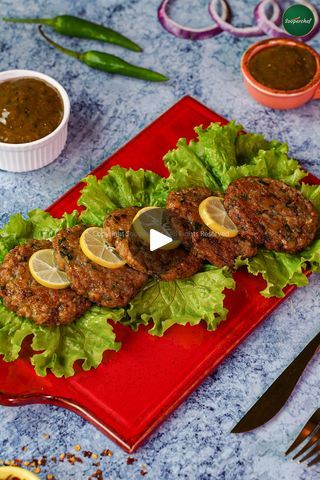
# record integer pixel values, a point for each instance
(251, 31)
(187, 32)
(269, 27)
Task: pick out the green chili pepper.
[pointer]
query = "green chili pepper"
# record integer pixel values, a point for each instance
(78, 27)
(108, 63)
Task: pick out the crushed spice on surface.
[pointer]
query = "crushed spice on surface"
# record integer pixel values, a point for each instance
(106, 453)
(37, 464)
(144, 470)
(98, 475)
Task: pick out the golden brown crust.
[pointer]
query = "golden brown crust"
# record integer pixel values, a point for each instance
(271, 213)
(217, 250)
(165, 264)
(109, 288)
(26, 297)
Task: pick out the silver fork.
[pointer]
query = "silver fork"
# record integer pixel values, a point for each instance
(311, 434)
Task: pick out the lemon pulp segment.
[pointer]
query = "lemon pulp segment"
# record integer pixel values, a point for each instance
(214, 215)
(95, 246)
(44, 269)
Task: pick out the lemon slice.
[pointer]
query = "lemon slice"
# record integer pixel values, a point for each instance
(94, 245)
(214, 215)
(153, 218)
(43, 268)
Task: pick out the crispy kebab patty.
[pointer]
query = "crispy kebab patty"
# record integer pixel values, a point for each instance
(166, 264)
(23, 295)
(107, 287)
(217, 250)
(271, 213)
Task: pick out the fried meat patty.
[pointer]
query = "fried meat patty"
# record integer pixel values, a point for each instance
(26, 297)
(217, 250)
(165, 264)
(271, 213)
(107, 287)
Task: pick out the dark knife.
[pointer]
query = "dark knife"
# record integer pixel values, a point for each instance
(277, 395)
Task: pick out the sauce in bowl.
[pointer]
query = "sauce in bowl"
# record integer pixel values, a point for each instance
(283, 67)
(30, 109)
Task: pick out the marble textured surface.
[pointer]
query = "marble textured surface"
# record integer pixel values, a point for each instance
(194, 443)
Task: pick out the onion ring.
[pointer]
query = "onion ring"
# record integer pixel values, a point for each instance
(251, 31)
(187, 32)
(269, 27)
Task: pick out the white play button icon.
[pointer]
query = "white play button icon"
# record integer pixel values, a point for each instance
(158, 240)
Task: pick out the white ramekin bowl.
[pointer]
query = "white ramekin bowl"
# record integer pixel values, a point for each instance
(18, 472)
(23, 157)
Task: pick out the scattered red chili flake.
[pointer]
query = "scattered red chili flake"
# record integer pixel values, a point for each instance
(96, 464)
(37, 470)
(50, 477)
(45, 436)
(143, 470)
(17, 462)
(25, 448)
(98, 475)
(131, 460)
(54, 459)
(106, 453)
(87, 453)
(77, 448)
(26, 464)
(62, 457)
(95, 456)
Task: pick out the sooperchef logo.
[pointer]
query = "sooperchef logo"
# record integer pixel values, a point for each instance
(298, 20)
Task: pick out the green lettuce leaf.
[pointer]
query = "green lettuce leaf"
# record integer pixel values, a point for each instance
(182, 301)
(38, 225)
(187, 169)
(60, 347)
(119, 189)
(277, 269)
(220, 155)
(312, 193)
(273, 162)
(216, 146)
(248, 146)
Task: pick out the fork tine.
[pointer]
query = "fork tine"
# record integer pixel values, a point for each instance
(314, 437)
(312, 452)
(305, 432)
(314, 462)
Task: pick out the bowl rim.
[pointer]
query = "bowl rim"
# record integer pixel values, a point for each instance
(22, 472)
(22, 73)
(270, 42)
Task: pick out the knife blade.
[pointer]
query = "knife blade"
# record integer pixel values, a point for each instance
(272, 401)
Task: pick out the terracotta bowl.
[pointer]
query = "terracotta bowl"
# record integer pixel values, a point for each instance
(278, 98)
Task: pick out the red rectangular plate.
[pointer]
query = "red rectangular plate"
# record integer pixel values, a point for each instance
(134, 390)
